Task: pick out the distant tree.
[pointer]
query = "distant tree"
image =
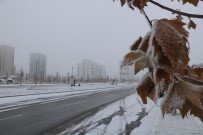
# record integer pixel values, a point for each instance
(64, 80)
(57, 77)
(68, 78)
(164, 50)
(21, 76)
(41, 77)
(49, 78)
(26, 77)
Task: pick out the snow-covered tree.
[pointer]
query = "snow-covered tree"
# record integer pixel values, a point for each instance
(164, 50)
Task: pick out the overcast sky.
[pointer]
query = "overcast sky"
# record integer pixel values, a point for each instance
(68, 31)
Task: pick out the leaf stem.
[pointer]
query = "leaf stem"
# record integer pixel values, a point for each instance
(148, 20)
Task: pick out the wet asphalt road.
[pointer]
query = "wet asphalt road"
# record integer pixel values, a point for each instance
(37, 119)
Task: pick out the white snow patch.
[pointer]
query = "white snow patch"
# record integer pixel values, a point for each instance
(151, 124)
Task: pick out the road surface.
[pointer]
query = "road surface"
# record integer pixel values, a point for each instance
(37, 119)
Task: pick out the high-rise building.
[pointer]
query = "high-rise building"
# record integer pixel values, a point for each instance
(126, 73)
(37, 65)
(90, 71)
(6, 60)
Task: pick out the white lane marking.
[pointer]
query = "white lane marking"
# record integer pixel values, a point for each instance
(80, 117)
(11, 117)
(5, 110)
(58, 99)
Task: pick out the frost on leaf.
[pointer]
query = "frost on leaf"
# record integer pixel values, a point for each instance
(141, 43)
(140, 64)
(157, 48)
(145, 43)
(135, 46)
(186, 95)
(166, 55)
(198, 71)
(189, 107)
(172, 38)
(191, 24)
(162, 74)
(146, 88)
(163, 61)
(131, 57)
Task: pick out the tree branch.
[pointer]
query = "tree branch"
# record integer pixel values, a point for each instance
(150, 23)
(177, 12)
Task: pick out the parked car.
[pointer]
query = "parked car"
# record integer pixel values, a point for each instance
(3, 81)
(9, 80)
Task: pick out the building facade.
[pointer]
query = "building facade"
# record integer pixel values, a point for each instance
(90, 71)
(6, 61)
(126, 74)
(37, 65)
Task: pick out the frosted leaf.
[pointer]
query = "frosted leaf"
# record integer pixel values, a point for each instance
(135, 45)
(140, 64)
(171, 36)
(132, 56)
(146, 88)
(185, 94)
(145, 43)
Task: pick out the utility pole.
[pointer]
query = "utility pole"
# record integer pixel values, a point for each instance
(36, 75)
(72, 70)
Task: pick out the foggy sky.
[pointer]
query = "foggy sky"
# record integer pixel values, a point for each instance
(68, 31)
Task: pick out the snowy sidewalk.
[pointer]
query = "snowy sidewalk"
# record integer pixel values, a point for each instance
(129, 116)
(176, 125)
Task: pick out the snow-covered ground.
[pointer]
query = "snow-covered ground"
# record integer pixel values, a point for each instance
(25, 89)
(130, 117)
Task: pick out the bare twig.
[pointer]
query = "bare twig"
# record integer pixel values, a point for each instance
(176, 11)
(150, 23)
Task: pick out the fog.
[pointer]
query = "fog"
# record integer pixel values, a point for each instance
(68, 31)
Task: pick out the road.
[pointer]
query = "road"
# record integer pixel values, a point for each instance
(37, 119)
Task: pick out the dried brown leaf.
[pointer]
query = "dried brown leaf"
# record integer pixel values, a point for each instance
(188, 106)
(146, 88)
(131, 57)
(193, 2)
(169, 35)
(178, 25)
(186, 94)
(140, 4)
(172, 100)
(145, 43)
(191, 24)
(163, 61)
(162, 74)
(135, 45)
(157, 48)
(198, 71)
(122, 2)
(140, 64)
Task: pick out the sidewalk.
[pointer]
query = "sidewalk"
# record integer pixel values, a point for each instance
(176, 125)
